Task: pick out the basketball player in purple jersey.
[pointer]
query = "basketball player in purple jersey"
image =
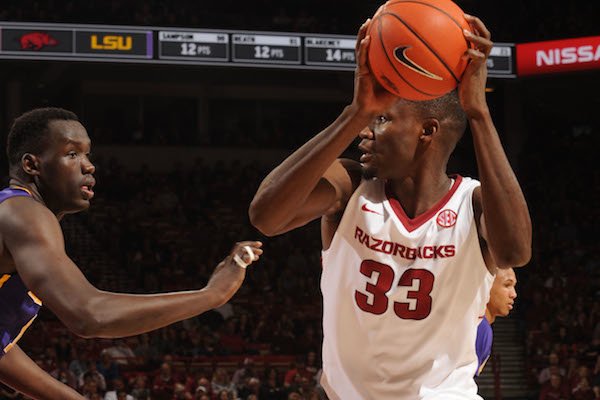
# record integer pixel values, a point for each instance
(51, 176)
(408, 251)
(502, 300)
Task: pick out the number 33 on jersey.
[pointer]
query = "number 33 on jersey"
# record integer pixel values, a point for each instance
(393, 285)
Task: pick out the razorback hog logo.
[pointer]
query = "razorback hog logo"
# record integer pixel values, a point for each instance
(446, 218)
(37, 41)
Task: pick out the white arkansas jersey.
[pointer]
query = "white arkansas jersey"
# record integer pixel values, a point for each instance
(402, 298)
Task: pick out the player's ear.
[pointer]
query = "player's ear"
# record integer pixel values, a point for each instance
(30, 163)
(429, 127)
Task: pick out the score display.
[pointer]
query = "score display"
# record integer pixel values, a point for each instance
(205, 46)
(152, 45)
(500, 61)
(326, 50)
(266, 49)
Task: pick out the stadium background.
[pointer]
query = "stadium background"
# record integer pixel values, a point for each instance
(180, 150)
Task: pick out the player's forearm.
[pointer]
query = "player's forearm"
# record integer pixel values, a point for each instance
(110, 315)
(19, 372)
(284, 191)
(507, 219)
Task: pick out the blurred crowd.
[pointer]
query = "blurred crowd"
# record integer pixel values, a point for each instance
(559, 291)
(512, 20)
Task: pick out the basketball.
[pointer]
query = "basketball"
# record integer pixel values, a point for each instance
(417, 46)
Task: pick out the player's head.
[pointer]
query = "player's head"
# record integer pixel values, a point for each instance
(412, 134)
(48, 147)
(503, 293)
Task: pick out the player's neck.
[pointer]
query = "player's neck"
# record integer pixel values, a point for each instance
(417, 194)
(489, 316)
(29, 187)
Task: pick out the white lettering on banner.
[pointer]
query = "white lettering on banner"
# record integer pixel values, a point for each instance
(567, 55)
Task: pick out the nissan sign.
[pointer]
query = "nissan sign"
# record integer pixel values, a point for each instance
(558, 56)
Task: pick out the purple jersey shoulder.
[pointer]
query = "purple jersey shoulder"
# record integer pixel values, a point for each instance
(7, 193)
(483, 343)
(18, 306)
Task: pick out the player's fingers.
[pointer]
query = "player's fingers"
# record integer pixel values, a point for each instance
(474, 55)
(256, 253)
(363, 67)
(245, 253)
(253, 243)
(481, 43)
(362, 32)
(478, 25)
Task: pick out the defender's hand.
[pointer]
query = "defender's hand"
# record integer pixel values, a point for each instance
(472, 87)
(230, 273)
(370, 98)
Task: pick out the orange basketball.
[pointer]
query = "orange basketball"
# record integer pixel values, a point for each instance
(416, 47)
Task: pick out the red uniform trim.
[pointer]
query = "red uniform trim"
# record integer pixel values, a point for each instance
(413, 223)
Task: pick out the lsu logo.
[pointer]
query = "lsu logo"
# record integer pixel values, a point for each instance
(446, 218)
(111, 42)
(36, 41)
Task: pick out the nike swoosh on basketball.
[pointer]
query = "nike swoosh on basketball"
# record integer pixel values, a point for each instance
(400, 55)
(365, 208)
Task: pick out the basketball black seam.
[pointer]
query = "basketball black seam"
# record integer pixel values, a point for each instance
(443, 12)
(432, 6)
(393, 64)
(426, 44)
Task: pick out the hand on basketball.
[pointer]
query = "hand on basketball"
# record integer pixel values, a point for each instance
(472, 87)
(230, 272)
(370, 98)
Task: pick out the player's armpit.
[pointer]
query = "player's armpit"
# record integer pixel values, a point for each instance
(345, 176)
(19, 372)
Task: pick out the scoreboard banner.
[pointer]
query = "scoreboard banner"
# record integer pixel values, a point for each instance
(193, 46)
(33, 41)
(184, 46)
(558, 56)
(113, 43)
(500, 61)
(273, 49)
(36, 41)
(328, 50)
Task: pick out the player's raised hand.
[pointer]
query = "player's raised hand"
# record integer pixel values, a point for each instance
(472, 87)
(369, 96)
(230, 273)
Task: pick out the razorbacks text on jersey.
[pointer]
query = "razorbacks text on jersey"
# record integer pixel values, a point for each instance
(402, 298)
(18, 306)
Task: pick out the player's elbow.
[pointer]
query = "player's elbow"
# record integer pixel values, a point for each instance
(517, 256)
(259, 218)
(86, 326)
(88, 321)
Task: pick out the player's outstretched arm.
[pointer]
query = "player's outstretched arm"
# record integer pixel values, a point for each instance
(310, 183)
(505, 222)
(19, 372)
(37, 246)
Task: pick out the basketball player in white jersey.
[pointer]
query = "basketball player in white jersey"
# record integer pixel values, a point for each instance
(406, 248)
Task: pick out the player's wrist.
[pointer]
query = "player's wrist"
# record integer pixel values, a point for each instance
(359, 112)
(212, 296)
(478, 114)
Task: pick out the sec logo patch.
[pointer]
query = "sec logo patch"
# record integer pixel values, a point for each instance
(446, 218)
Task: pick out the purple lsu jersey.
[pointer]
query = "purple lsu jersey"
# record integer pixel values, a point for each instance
(483, 344)
(18, 306)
